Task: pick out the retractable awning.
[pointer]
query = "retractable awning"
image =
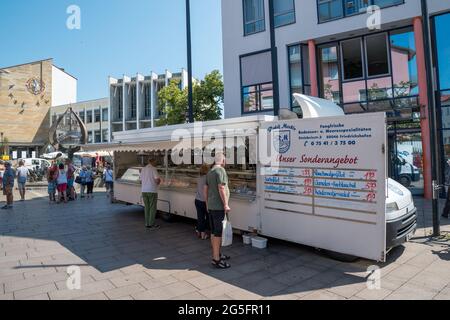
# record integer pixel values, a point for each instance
(146, 146)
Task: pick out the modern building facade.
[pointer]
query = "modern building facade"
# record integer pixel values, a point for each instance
(27, 92)
(134, 100)
(93, 113)
(363, 59)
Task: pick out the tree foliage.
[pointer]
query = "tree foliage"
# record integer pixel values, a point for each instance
(207, 100)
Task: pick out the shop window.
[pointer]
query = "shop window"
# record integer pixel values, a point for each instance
(254, 20)
(352, 62)
(284, 12)
(377, 55)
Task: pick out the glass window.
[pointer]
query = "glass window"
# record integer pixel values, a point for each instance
(97, 115)
(328, 65)
(90, 136)
(254, 20)
(97, 136)
(105, 114)
(298, 73)
(284, 12)
(133, 104)
(335, 9)
(355, 6)
(89, 116)
(404, 63)
(387, 3)
(105, 135)
(379, 88)
(81, 115)
(258, 97)
(354, 91)
(330, 10)
(442, 24)
(377, 55)
(147, 100)
(352, 63)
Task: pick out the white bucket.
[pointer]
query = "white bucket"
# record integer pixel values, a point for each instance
(258, 242)
(247, 239)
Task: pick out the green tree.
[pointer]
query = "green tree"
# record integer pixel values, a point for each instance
(207, 98)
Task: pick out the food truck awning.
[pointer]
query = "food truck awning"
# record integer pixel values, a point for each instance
(146, 146)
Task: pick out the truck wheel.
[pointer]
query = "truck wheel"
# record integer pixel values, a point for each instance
(340, 256)
(405, 181)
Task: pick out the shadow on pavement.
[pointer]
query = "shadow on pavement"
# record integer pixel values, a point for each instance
(109, 237)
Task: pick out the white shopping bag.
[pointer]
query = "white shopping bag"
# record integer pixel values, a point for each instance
(227, 234)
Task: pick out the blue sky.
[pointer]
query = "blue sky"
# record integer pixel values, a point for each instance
(117, 37)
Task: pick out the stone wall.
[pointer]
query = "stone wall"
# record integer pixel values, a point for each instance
(25, 103)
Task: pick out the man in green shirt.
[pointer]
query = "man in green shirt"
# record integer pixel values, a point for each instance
(217, 195)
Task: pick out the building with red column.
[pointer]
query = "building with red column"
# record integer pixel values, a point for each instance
(365, 55)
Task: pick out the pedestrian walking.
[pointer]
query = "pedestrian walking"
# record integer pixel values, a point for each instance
(150, 182)
(446, 210)
(22, 177)
(200, 205)
(51, 180)
(108, 177)
(89, 179)
(82, 181)
(61, 181)
(8, 185)
(217, 195)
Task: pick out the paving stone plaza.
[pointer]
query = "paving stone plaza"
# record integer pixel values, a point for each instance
(120, 259)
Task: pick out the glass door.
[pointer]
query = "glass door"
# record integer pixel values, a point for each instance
(405, 163)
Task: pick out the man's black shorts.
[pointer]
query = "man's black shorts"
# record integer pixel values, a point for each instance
(216, 219)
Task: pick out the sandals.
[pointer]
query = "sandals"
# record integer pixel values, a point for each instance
(224, 257)
(221, 264)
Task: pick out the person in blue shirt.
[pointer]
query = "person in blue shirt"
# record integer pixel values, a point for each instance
(8, 185)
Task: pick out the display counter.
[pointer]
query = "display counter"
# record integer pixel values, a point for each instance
(178, 188)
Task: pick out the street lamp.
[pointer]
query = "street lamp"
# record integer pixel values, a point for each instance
(189, 62)
(432, 118)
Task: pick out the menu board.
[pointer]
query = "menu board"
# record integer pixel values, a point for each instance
(326, 178)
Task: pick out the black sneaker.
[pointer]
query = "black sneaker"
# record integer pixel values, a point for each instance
(444, 216)
(154, 227)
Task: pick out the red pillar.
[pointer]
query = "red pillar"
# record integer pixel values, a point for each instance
(423, 101)
(313, 68)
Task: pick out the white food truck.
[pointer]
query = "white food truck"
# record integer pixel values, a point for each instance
(319, 181)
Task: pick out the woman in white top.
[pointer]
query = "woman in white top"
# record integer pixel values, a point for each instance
(61, 181)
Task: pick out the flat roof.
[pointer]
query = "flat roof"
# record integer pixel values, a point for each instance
(37, 61)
